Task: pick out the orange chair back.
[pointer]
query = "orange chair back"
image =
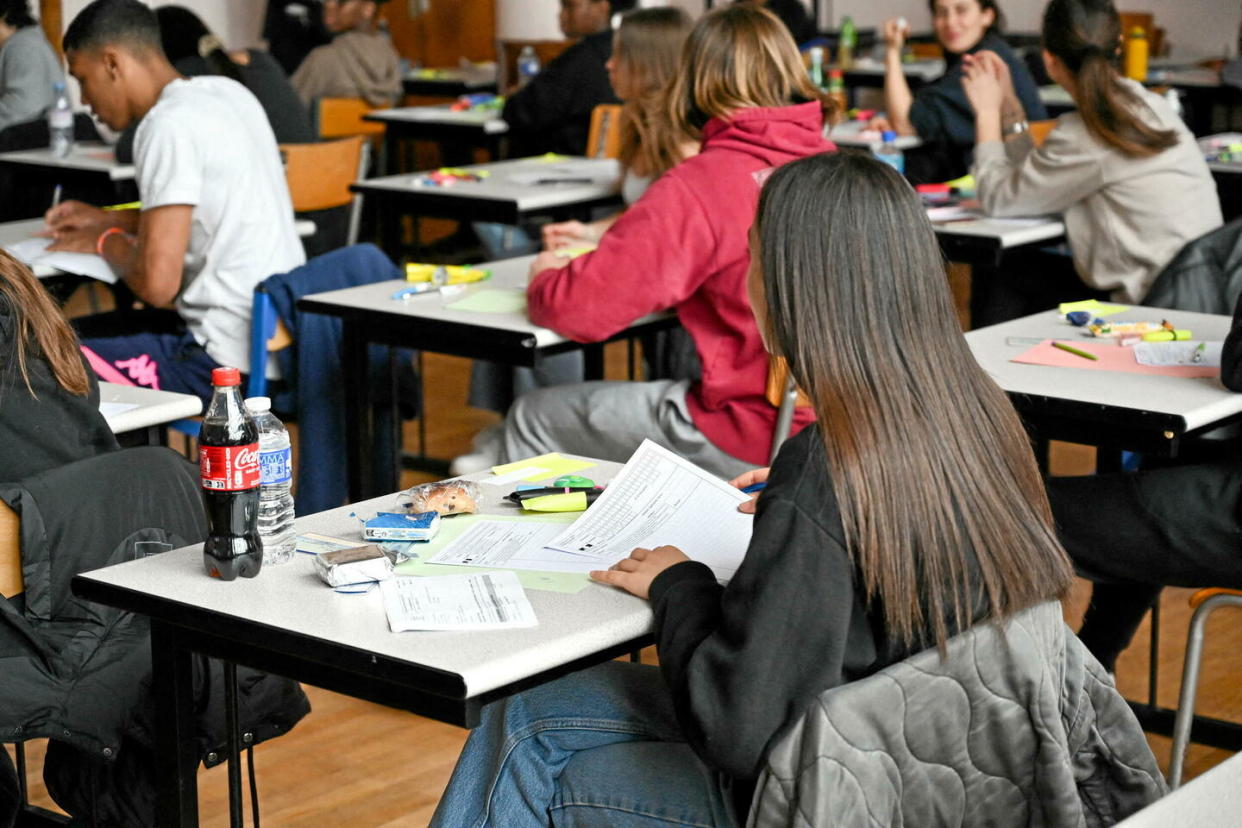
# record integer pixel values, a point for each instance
(1040, 129)
(10, 552)
(319, 175)
(604, 139)
(778, 376)
(342, 118)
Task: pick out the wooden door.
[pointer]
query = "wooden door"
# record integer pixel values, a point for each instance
(437, 33)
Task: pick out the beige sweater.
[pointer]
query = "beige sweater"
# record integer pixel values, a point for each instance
(354, 65)
(1126, 218)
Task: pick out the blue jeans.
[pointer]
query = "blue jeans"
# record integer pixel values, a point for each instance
(600, 747)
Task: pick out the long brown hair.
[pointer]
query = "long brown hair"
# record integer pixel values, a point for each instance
(1084, 35)
(928, 458)
(648, 42)
(738, 57)
(40, 330)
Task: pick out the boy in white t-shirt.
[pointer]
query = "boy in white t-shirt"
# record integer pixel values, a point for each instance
(216, 218)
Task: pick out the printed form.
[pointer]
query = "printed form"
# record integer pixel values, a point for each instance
(481, 601)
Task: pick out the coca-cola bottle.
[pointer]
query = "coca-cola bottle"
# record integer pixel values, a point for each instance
(228, 462)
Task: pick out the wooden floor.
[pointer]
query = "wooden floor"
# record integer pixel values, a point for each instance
(356, 764)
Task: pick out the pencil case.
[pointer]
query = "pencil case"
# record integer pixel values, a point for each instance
(457, 274)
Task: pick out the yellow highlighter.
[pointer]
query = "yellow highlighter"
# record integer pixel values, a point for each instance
(563, 502)
(1166, 335)
(457, 274)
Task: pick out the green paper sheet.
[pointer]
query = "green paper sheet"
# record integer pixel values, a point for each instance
(451, 529)
(492, 300)
(544, 466)
(1095, 306)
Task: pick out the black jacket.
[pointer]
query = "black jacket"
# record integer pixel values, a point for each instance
(49, 427)
(79, 673)
(744, 661)
(552, 113)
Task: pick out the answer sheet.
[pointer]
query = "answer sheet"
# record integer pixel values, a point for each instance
(511, 545)
(661, 499)
(34, 251)
(479, 601)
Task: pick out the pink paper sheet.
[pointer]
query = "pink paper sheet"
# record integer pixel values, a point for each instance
(1112, 357)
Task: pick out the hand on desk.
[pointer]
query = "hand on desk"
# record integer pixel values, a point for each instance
(635, 573)
(568, 234)
(547, 260)
(75, 215)
(750, 478)
(74, 240)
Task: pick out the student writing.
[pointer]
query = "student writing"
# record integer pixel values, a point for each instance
(870, 542)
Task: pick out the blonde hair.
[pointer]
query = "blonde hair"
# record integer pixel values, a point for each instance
(40, 331)
(649, 42)
(738, 57)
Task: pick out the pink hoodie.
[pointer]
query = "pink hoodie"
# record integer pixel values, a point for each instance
(683, 246)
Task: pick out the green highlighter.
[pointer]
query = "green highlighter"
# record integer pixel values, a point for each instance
(561, 502)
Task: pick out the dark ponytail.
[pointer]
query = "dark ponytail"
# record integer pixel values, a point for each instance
(183, 34)
(1084, 35)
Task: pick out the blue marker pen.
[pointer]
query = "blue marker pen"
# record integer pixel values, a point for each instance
(753, 487)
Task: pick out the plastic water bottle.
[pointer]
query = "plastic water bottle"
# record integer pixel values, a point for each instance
(889, 153)
(60, 122)
(817, 67)
(276, 474)
(847, 43)
(528, 65)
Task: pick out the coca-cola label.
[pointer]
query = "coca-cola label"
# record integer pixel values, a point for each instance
(229, 468)
(277, 465)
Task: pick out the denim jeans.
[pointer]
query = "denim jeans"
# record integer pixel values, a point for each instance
(599, 747)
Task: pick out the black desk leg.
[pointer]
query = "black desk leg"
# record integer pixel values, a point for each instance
(175, 744)
(233, 722)
(593, 362)
(359, 413)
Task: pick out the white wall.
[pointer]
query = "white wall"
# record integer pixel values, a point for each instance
(239, 23)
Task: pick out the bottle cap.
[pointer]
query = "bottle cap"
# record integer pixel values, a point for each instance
(888, 136)
(835, 73)
(1137, 31)
(258, 405)
(225, 376)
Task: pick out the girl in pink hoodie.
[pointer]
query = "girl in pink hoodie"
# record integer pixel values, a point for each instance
(742, 87)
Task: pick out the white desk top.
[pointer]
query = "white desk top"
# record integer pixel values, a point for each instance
(480, 77)
(513, 181)
(926, 70)
(1212, 144)
(292, 598)
(16, 231)
(1055, 95)
(152, 407)
(1198, 401)
(855, 134)
(87, 156)
(1210, 800)
(487, 120)
(1007, 232)
(507, 273)
(1187, 76)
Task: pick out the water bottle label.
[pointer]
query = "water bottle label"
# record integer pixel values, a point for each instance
(277, 465)
(229, 468)
(60, 119)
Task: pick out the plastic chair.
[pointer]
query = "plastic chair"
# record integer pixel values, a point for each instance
(785, 397)
(1039, 130)
(319, 176)
(1204, 602)
(342, 118)
(267, 335)
(604, 139)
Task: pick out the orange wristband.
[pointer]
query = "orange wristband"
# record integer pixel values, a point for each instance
(103, 237)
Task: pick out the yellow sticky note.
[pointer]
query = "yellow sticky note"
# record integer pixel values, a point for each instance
(492, 301)
(544, 466)
(1094, 306)
(574, 252)
(966, 183)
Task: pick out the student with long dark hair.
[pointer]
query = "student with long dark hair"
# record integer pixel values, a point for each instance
(873, 540)
(1122, 169)
(49, 401)
(939, 112)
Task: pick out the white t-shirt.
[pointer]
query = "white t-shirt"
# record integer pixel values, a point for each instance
(208, 143)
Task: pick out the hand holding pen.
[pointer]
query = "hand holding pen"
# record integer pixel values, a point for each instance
(751, 482)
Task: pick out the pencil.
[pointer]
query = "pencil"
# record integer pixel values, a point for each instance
(1075, 351)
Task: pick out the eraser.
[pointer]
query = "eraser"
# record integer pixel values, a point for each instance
(421, 526)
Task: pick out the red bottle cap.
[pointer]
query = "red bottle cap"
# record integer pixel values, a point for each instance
(225, 376)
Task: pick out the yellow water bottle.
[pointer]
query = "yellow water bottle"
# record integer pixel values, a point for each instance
(1136, 54)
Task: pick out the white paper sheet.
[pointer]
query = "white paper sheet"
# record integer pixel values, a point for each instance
(1177, 353)
(512, 545)
(112, 409)
(33, 252)
(479, 601)
(661, 499)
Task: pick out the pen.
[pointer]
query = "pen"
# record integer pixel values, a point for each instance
(753, 487)
(407, 292)
(527, 494)
(563, 180)
(1070, 349)
(1198, 357)
(56, 196)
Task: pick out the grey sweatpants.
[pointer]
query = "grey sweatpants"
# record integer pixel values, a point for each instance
(608, 420)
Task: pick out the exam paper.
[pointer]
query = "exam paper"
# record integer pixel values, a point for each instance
(479, 601)
(113, 409)
(511, 545)
(660, 499)
(33, 251)
(1178, 353)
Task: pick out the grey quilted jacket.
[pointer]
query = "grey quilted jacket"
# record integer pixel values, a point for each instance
(1020, 729)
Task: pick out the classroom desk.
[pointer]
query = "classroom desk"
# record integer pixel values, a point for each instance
(449, 82)
(369, 315)
(287, 622)
(1134, 412)
(1226, 174)
(143, 412)
(87, 157)
(869, 72)
(454, 130)
(850, 134)
(1056, 100)
(1210, 800)
(16, 231)
(505, 196)
(982, 242)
